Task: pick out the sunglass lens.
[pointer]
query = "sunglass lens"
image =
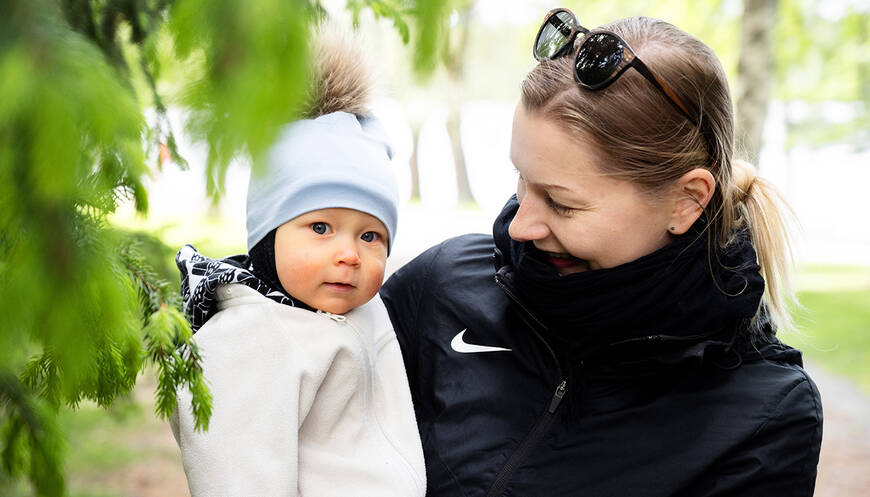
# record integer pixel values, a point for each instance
(554, 34)
(598, 58)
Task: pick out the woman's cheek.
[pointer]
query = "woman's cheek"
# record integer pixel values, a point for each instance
(576, 239)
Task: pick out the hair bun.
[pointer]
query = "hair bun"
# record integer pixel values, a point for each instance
(743, 174)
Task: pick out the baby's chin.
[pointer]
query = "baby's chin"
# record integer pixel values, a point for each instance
(333, 309)
(340, 304)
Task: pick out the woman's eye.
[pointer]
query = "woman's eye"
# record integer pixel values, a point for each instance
(320, 228)
(559, 208)
(369, 236)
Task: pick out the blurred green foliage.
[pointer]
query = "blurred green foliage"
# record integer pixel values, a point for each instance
(834, 322)
(430, 17)
(824, 57)
(71, 147)
(821, 52)
(86, 306)
(249, 63)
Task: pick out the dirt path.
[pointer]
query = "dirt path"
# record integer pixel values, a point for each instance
(844, 465)
(161, 476)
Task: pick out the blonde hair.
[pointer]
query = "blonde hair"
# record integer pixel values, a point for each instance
(652, 145)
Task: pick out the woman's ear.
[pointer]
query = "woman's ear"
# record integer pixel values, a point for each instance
(693, 192)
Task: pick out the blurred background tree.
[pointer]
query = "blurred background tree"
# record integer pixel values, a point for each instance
(453, 55)
(83, 310)
(754, 73)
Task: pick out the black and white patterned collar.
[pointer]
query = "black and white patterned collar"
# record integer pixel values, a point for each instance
(201, 277)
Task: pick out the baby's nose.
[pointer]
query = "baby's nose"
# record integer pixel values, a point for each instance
(347, 254)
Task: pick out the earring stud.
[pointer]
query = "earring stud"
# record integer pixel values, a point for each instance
(672, 228)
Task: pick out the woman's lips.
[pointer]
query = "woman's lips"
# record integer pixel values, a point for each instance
(564, 263)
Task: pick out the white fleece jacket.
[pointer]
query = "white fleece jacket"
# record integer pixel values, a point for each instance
(305, 403)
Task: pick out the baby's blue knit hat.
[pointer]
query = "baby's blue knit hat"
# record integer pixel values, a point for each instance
(335, 160)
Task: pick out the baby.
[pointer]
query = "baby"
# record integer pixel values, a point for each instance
(310, 393)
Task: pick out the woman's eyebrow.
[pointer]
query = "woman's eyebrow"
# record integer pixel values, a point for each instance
(552, 187)
(549, 186)
(568, 196)
(546, 186)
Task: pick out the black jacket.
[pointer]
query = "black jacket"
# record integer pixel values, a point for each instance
(493, 422)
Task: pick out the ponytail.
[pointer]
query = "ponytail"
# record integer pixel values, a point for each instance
(762, 209)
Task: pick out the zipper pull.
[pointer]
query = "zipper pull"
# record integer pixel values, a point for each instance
(338, 318)
(557, 397)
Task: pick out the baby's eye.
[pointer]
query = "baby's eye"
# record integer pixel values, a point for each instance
(320, 228)
(369, 236)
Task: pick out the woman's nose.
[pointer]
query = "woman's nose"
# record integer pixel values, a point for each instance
(528, 223)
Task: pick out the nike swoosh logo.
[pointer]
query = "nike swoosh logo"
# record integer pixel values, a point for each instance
(460, 345)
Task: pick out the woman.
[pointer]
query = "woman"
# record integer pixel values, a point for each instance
(616, 334)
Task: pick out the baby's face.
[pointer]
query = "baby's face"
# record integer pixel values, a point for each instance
(332, 259)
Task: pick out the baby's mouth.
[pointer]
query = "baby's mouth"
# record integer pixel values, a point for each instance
(337, 285)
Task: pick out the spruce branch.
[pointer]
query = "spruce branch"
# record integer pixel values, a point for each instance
(169, 345)
(32, 443)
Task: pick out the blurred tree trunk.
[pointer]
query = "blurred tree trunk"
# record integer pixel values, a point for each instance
(754, 73)
(412, 162)
(454, 62)
(454, 117)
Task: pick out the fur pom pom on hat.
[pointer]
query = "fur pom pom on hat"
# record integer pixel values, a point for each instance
(338, 158)
(340, 79)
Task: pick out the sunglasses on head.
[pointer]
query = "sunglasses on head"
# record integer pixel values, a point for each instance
(601, 57)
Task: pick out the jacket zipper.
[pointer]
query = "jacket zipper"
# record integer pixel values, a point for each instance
(386, 442)
(338, 318)
(543, 424)
(534, 436)
(529, 313)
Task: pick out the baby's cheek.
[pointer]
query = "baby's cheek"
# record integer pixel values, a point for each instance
(375, 279)
(295, 274)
